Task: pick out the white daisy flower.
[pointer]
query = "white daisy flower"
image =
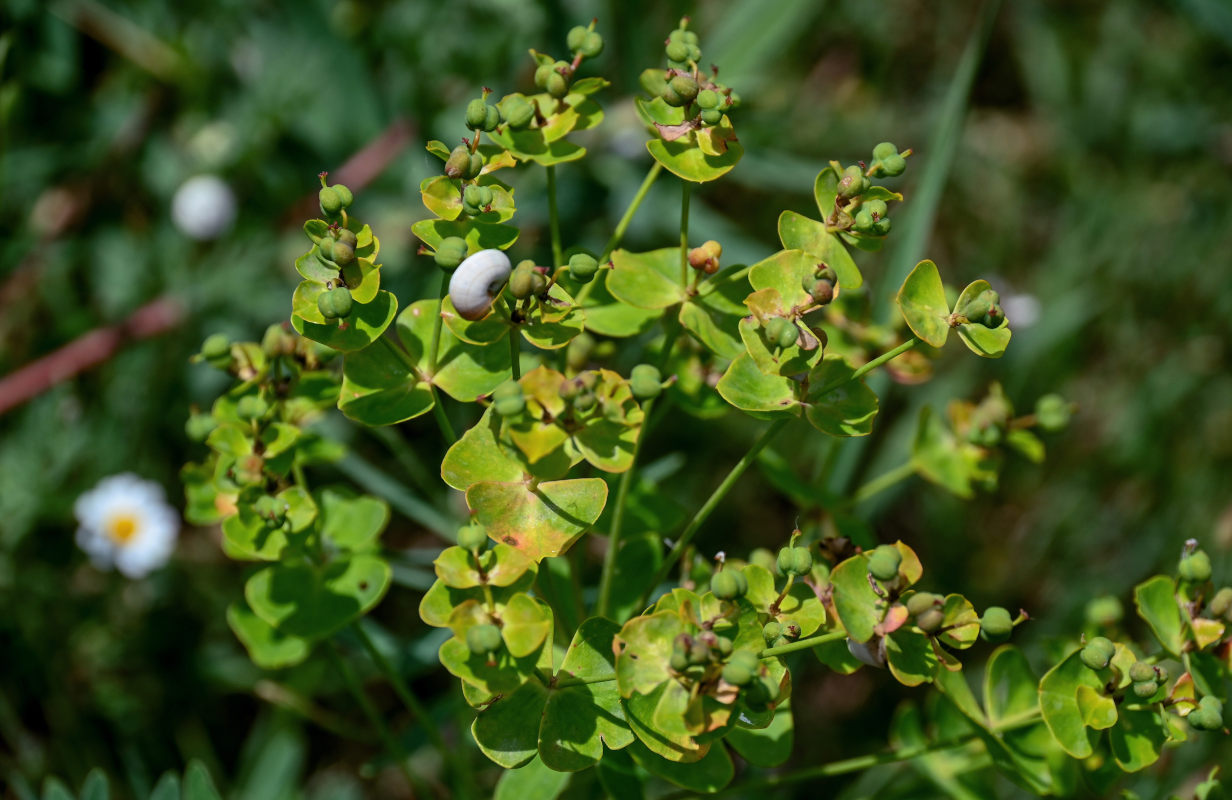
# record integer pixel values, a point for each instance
(126, 523)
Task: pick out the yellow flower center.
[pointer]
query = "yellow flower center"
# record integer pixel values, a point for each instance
(121, 528)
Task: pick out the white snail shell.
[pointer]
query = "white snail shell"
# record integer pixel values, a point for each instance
(874, 656)
(477, 281)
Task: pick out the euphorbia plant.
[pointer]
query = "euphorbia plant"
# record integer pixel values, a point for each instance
(679, 661)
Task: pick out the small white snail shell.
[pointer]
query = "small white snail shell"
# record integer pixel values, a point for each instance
(477, 281)
(869, 655)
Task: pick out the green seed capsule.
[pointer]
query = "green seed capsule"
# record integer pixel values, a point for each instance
(1195, 567)
(271, 510)
(996, 625)
(1098, 653)
(343, 253)
(508, 399)
(851, 183)
(472, 537)
(864, 221)
(876, 207)
(930, 620)
(993, 318)
(525, 280)
(557, 84)
(483, 638)
(771, 632)
(708, 98)
(1221, 604)
(677, 51)
(344, 195)
(1146, 689)
(821, 291)
(199, 426)
(1208, 716)
(251, 407)
(796, 561)
(781, 332)
(884, 562)
(893, 165)
(458, 163)
(645, 381)
(216, 346)
(882, 226)
(335, 303)
(1105, 610)
(583, 266)
(979, 306)
(689, 37)
(725, 586)
(920, 602)
(518, 111)
(1052, 412)
(724, 646)
(450, 252)
(679, 661)
(331, 202)
(884, 151)
(541, 75)
(737, 674)
(592, 46)
(492, 118)
(685, 87)
(711, 116)
(476, 113)
(1141, 671)
(576, 37)
(348, 238)
(485, 196)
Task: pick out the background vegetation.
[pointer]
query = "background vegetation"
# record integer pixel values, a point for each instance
(1088, 168)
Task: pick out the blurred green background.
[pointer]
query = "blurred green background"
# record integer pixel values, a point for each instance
(1088, 169)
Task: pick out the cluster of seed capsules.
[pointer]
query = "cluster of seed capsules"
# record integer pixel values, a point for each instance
(857, 207)
(337, 249)
(645, 382)
(701, 95)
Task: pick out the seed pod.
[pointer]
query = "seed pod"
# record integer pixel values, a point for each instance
(993, 318)
(1195, 567)
(979, 306)
(781, 332)
(526, 280)
(996, 625)
(1208, 716)
(477, 281)
(216, 347)
(583, 266)
(1098, 653)
(576, 37)
(458, 163)
(1221, 604)
(472, 537)
(251, 407)
(476, 113)
(492, 118)
(518, 111)
(724, 646)
(249, 470)
(348, 237)
(893, 165)
(822, 292)
(863, 221)
(677, 51)
(336, 302)
(930, 620)
(1106, 610)
(725, 586)
(508, 399)
(795, 561)
(884, 150)
(271, 510)
(711, 116)
(679, 661)
(343, 253)
(884, 562)
(708, 98)
(1146, 689)
(920, 602)
(557, 84)
(771, 632)
(199, 426)
(450, 252)
(685, 87)
(1052, 413)
(1141, 671)
(741, 668)
(852, 183)
(483, 638)
(700, 654)
(330, 200)
(645, 382)
(592, 45)
(877, 207)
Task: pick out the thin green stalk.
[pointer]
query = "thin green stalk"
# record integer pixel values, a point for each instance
(684, 232)
(435, 347)
(399, 496)
(712, 502)
(636, 202)
(885, 357)
(803, 644)
(403, 691)
(374, 719)
(514, 361)
(882, 482)
(437, 410)
(554, 218)
(618, 518)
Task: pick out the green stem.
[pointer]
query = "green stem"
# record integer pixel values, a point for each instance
(374, 718)
(437, 410)
(803, 644)
(860, 372)
(554, 219)
(623, 225)
(403, 691)
(684, 233)
(618, 518)
(882, 482)
(515, 362)
(713, 501)
(435, 347)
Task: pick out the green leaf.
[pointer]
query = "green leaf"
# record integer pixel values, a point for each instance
(846, 410)
(857, 604)
(351, 522)
(910, 656)
(501, 677)
(798, 232)
(643, 649)
(463, 371)
(608, 316)
(1138, 738)
(800, 606)
(552, 325)
(478, 235)
(527, 624)
(922, 303)
(939, 456)
(637, 561)
(749, 389)
(364, 326)
(534, 780)
(478, 456)
(532, 144)
(167, 788)
(541, 521)
(647, 280)
(766, 747)
(580, 718)
(620, 777)
(784, 272)
(710, 773)
(825, 190)
(1058, 698)
(986, 342)
(198, 785)
(686, 159)
(507, 730)
(1010, 687)
(960, 625)
(247, 536)
(95, 786)
(713, 315)
(312, 602)
(268, 647)
(1099, 712)
(379, 388)
(1157, 605)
